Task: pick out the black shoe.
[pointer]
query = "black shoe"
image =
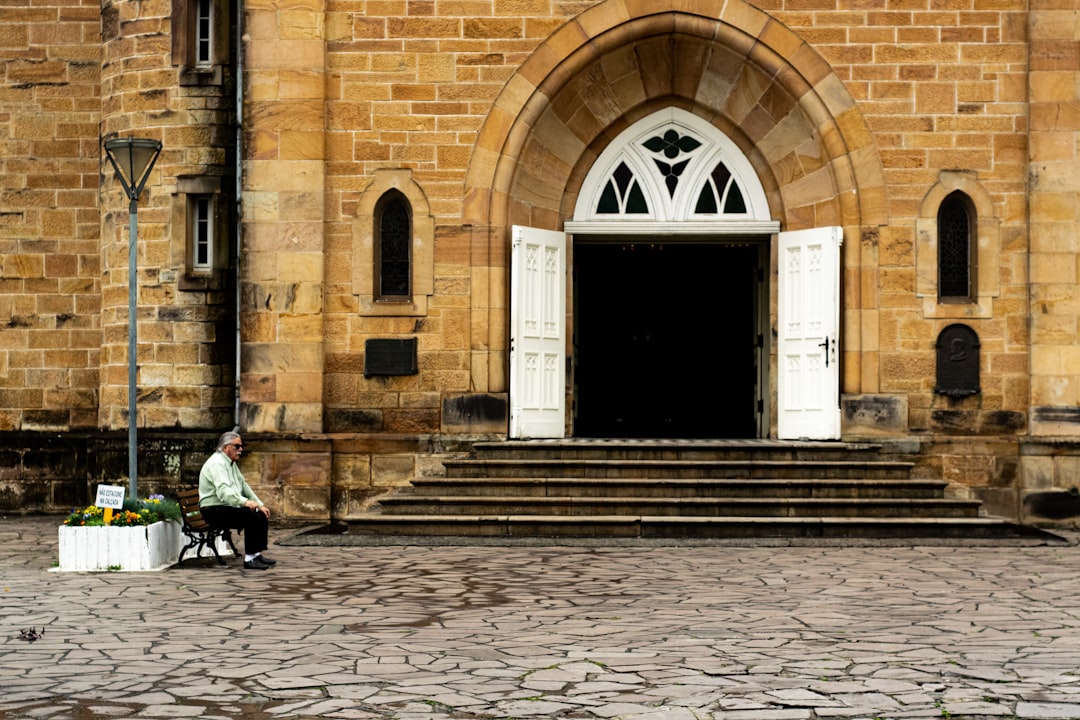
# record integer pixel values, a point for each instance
(266, 560)
(256, 564)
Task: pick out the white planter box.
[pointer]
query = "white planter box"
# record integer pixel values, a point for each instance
(147, 547)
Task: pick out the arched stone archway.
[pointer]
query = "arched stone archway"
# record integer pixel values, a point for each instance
(725, 62)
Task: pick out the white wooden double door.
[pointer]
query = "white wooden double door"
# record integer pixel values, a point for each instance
(808, 319)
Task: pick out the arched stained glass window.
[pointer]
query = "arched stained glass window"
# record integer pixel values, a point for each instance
(622, 194)
(393, 256)
(671, 167)
(670, 173)
(720, 191)
(956, 244)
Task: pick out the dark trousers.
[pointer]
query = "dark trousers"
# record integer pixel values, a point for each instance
(252, 522)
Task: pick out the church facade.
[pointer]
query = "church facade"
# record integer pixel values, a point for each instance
(379, 231)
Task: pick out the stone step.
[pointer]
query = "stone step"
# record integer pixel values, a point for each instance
(667, 527)
(680, 507)
(666, 449)
(749, 468)
(642, 487)
(671, 489)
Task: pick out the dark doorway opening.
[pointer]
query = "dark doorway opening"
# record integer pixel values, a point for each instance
(666, 340)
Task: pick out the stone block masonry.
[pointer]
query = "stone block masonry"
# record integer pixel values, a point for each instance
(490, 113)
(50, 284)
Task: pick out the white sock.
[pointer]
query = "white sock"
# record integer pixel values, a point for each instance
(249, 558)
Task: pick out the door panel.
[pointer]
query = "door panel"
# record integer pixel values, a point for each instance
(537, 333)
(808, 321)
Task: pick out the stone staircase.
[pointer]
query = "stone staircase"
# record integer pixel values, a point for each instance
(668, 489)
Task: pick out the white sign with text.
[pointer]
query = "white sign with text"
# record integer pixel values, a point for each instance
(110, 496)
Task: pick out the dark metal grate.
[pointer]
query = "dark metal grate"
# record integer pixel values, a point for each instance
(954, 248)
(394, 232)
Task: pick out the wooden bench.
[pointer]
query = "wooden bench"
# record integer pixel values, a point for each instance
(198, 532)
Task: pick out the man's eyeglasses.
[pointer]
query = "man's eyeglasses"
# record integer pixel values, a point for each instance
(235, 445)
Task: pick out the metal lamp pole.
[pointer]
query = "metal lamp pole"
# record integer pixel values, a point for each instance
(132, 158)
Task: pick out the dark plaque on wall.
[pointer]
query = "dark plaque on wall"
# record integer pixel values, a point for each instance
(957, 362)
(390, 356)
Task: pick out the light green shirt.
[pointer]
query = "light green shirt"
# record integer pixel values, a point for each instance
(222, 483)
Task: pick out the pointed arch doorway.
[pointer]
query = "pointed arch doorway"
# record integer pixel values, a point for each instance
(762, 86)
(670, 287)
(671, 310)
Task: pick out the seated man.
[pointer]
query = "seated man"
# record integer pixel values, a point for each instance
(227, 501)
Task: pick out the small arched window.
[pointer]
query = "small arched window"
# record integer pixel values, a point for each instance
(393, 248)
(957, 239)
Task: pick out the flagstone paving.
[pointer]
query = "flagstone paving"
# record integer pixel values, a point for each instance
(479, 632)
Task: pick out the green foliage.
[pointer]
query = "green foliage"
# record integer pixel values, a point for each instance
(146, 511)
(159, 505)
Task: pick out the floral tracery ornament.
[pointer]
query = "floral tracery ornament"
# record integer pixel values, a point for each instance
(671, 152)
(670, 145)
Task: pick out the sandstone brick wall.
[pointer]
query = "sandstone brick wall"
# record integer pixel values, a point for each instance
(1054, 212)
(335, 94)
(186, 343)
(50, 331)
(284, 246)
(965, 94)
(941, 88)
(410, 84)
(64, 233)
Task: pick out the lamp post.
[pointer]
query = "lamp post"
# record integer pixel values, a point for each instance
(132, 158)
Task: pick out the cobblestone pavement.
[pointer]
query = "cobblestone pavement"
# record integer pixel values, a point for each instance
(641, 633)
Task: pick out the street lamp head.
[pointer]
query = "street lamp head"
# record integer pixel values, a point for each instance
(132, 158)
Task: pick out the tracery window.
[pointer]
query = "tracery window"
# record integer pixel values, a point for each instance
(720, 191)
(672, 152)
(956, 245)
(393, 244)
(622, 194)
(672, 167)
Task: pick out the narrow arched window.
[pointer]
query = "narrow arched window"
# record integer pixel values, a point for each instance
(393, 248)
(956, 229)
